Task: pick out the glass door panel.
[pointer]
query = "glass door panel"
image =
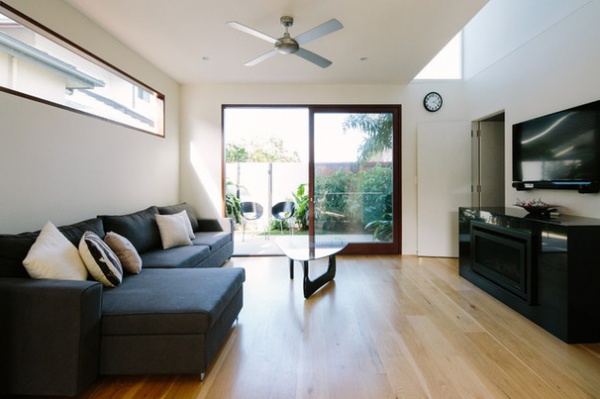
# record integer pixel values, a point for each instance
(266, 161)
(353, 175)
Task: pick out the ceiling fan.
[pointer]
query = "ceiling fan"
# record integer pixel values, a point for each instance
(288, 45)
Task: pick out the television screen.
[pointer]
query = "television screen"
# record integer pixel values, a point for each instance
(563, 147)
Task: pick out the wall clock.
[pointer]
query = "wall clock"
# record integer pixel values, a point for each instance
(432, 101)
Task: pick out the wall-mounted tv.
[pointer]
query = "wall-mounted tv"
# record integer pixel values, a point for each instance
(559, 151)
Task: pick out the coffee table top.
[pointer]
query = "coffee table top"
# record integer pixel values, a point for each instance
(306, 248)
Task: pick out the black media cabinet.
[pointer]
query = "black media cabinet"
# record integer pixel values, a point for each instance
(547, 269)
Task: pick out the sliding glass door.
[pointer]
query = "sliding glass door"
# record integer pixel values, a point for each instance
(354, 167)
(339, 165)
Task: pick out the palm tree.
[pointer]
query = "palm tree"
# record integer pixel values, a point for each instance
(378, 128)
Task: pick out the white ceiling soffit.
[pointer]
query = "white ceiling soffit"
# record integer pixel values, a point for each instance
(382, 41)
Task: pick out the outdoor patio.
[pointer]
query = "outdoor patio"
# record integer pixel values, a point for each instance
(255, 244)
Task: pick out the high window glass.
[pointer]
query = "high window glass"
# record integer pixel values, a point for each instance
(447, 64)
(39, 64)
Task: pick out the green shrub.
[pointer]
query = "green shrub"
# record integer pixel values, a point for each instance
(376, 185)
(302, 204)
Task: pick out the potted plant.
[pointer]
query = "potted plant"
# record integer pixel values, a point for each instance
(301, 212)
(383, 229)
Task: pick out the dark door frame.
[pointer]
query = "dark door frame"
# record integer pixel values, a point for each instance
(393, 247)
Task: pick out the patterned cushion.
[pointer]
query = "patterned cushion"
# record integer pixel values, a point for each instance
(125, 251)
(52, 256)
(100, 260)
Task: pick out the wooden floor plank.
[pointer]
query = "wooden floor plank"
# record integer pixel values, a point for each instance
(386, 327)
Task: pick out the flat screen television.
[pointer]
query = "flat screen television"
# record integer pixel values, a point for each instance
(559, 151)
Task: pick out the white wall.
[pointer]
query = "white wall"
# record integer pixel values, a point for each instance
(505, 25)
(554, 70)
(62, 166)
(201, 131)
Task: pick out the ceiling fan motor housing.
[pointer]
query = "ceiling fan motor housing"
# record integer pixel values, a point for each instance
(286, 45)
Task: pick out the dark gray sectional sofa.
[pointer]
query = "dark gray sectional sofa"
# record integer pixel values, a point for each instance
(57, 336)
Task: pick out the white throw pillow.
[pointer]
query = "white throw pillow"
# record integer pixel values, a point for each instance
(188, 224)
(126, 252)
(52, 256)
(102, 263)
(173, 231)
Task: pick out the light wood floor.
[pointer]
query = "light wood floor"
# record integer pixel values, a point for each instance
(387, 327)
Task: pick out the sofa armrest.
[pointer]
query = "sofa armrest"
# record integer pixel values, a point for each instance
(50, 336)
(220, 224)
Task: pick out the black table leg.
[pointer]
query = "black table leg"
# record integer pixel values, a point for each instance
(311, 286)
(291, 269)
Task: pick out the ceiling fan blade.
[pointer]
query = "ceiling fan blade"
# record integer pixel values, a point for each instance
(250, 31)
(319, 31)
(261, 58)
(314, 58)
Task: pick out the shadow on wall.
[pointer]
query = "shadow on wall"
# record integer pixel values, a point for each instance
(204, 189)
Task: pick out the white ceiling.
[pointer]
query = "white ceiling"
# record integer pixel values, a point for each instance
(190, 41)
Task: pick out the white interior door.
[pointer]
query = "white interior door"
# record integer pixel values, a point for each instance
(444, 185)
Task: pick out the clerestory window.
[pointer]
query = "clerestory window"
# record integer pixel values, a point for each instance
(38, 64)
(447, 64)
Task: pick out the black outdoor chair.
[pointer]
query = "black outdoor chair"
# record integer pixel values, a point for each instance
(250, 211)
(284, 211)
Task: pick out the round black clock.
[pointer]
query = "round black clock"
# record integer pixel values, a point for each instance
(432, 101)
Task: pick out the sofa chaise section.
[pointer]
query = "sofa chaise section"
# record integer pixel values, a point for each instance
(168, 321)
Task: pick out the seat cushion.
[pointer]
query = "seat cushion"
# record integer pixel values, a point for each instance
(169, 301)
(178, 257)
(214, 240)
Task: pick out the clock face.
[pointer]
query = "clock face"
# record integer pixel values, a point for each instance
(432, 102)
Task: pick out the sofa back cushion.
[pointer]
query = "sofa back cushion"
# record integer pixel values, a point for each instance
(174, 209)
(14, 247)
(75, 231)
(139, 228)
(13, 250)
